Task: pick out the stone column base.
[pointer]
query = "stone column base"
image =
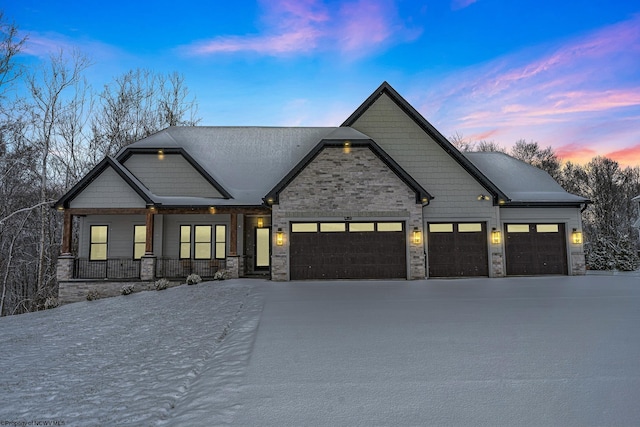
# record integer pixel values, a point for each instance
(148, 267)
(233, 266)
(497, 264)
(64, 270)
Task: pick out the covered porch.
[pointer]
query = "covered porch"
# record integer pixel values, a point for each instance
(145, 244)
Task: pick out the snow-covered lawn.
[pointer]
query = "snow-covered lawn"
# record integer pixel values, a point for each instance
(130, 360)
(526, 351)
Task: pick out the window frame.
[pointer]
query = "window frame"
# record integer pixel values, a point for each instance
(220, 245)
(93, 244)
(137, 243)
(197, 244)
(182, 242)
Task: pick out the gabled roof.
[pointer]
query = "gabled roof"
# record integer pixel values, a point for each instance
(125, 154)
(522, 183)
(107, 162)
(337, 139)
(385, 88)
(247, 162)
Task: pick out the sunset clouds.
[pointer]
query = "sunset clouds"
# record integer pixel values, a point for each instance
(299, 27)
(577, 95)
(565, 74)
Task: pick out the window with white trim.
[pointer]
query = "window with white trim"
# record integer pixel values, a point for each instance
(139, 241)
(98, 245)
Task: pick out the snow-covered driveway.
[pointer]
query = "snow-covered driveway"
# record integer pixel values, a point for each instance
(527, 351)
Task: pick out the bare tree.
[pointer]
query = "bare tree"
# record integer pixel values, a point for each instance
(10, 45)
(530, 152)
(48, 89)
(490, 146)
(137, 104)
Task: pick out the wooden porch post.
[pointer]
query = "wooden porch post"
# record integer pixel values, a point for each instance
(66, 233)
(233, 235)
(148, 249)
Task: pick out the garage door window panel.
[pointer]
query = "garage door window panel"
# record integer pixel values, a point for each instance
(390, 226)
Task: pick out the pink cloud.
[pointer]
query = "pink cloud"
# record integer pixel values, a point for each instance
(483, 136)
(583, 91)
(575, 152)
(629, 156)
(303, 26)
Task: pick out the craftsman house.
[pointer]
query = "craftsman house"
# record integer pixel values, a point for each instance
(384, 196)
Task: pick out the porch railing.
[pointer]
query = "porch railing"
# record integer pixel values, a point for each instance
(175, 268)
(126, 268)
(113, 268)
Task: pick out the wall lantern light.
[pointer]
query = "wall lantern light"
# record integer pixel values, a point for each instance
(212, 210)
(160, 154)
(576, 236)
(495, 236)
(417, 236)
(279, 237)
(347, 147)
(260, 222)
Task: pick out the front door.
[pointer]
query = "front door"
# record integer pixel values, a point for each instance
(263, 248)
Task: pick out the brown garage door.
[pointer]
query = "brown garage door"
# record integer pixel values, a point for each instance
(535, 249)
(457, 249)
(347, 250)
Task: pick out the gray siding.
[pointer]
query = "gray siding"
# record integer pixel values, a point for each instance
(171, 229)
(170, 176)
(108, 190)
(119, 239)
(455, 191)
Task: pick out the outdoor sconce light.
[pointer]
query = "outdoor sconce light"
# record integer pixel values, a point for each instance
(160, 154)
(347, 147)
(279, 237)
(212, 210)
(495, 236)
(260, 222)
(576, 236)
(417, 236)
(483, 197)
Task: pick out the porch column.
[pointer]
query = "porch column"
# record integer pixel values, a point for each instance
(148, 250)
(66, 233)
(64, 270)
(148, 261)
(233, 260)
(233, 235)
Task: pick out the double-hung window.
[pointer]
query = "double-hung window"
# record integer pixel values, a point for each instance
(139, 241)
(197, 241)
(98, 244)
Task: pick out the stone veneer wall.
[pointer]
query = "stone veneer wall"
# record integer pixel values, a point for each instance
(77, 290)
(578, 264)
(341, 183)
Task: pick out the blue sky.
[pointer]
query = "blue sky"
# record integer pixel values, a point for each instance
(565, 74)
